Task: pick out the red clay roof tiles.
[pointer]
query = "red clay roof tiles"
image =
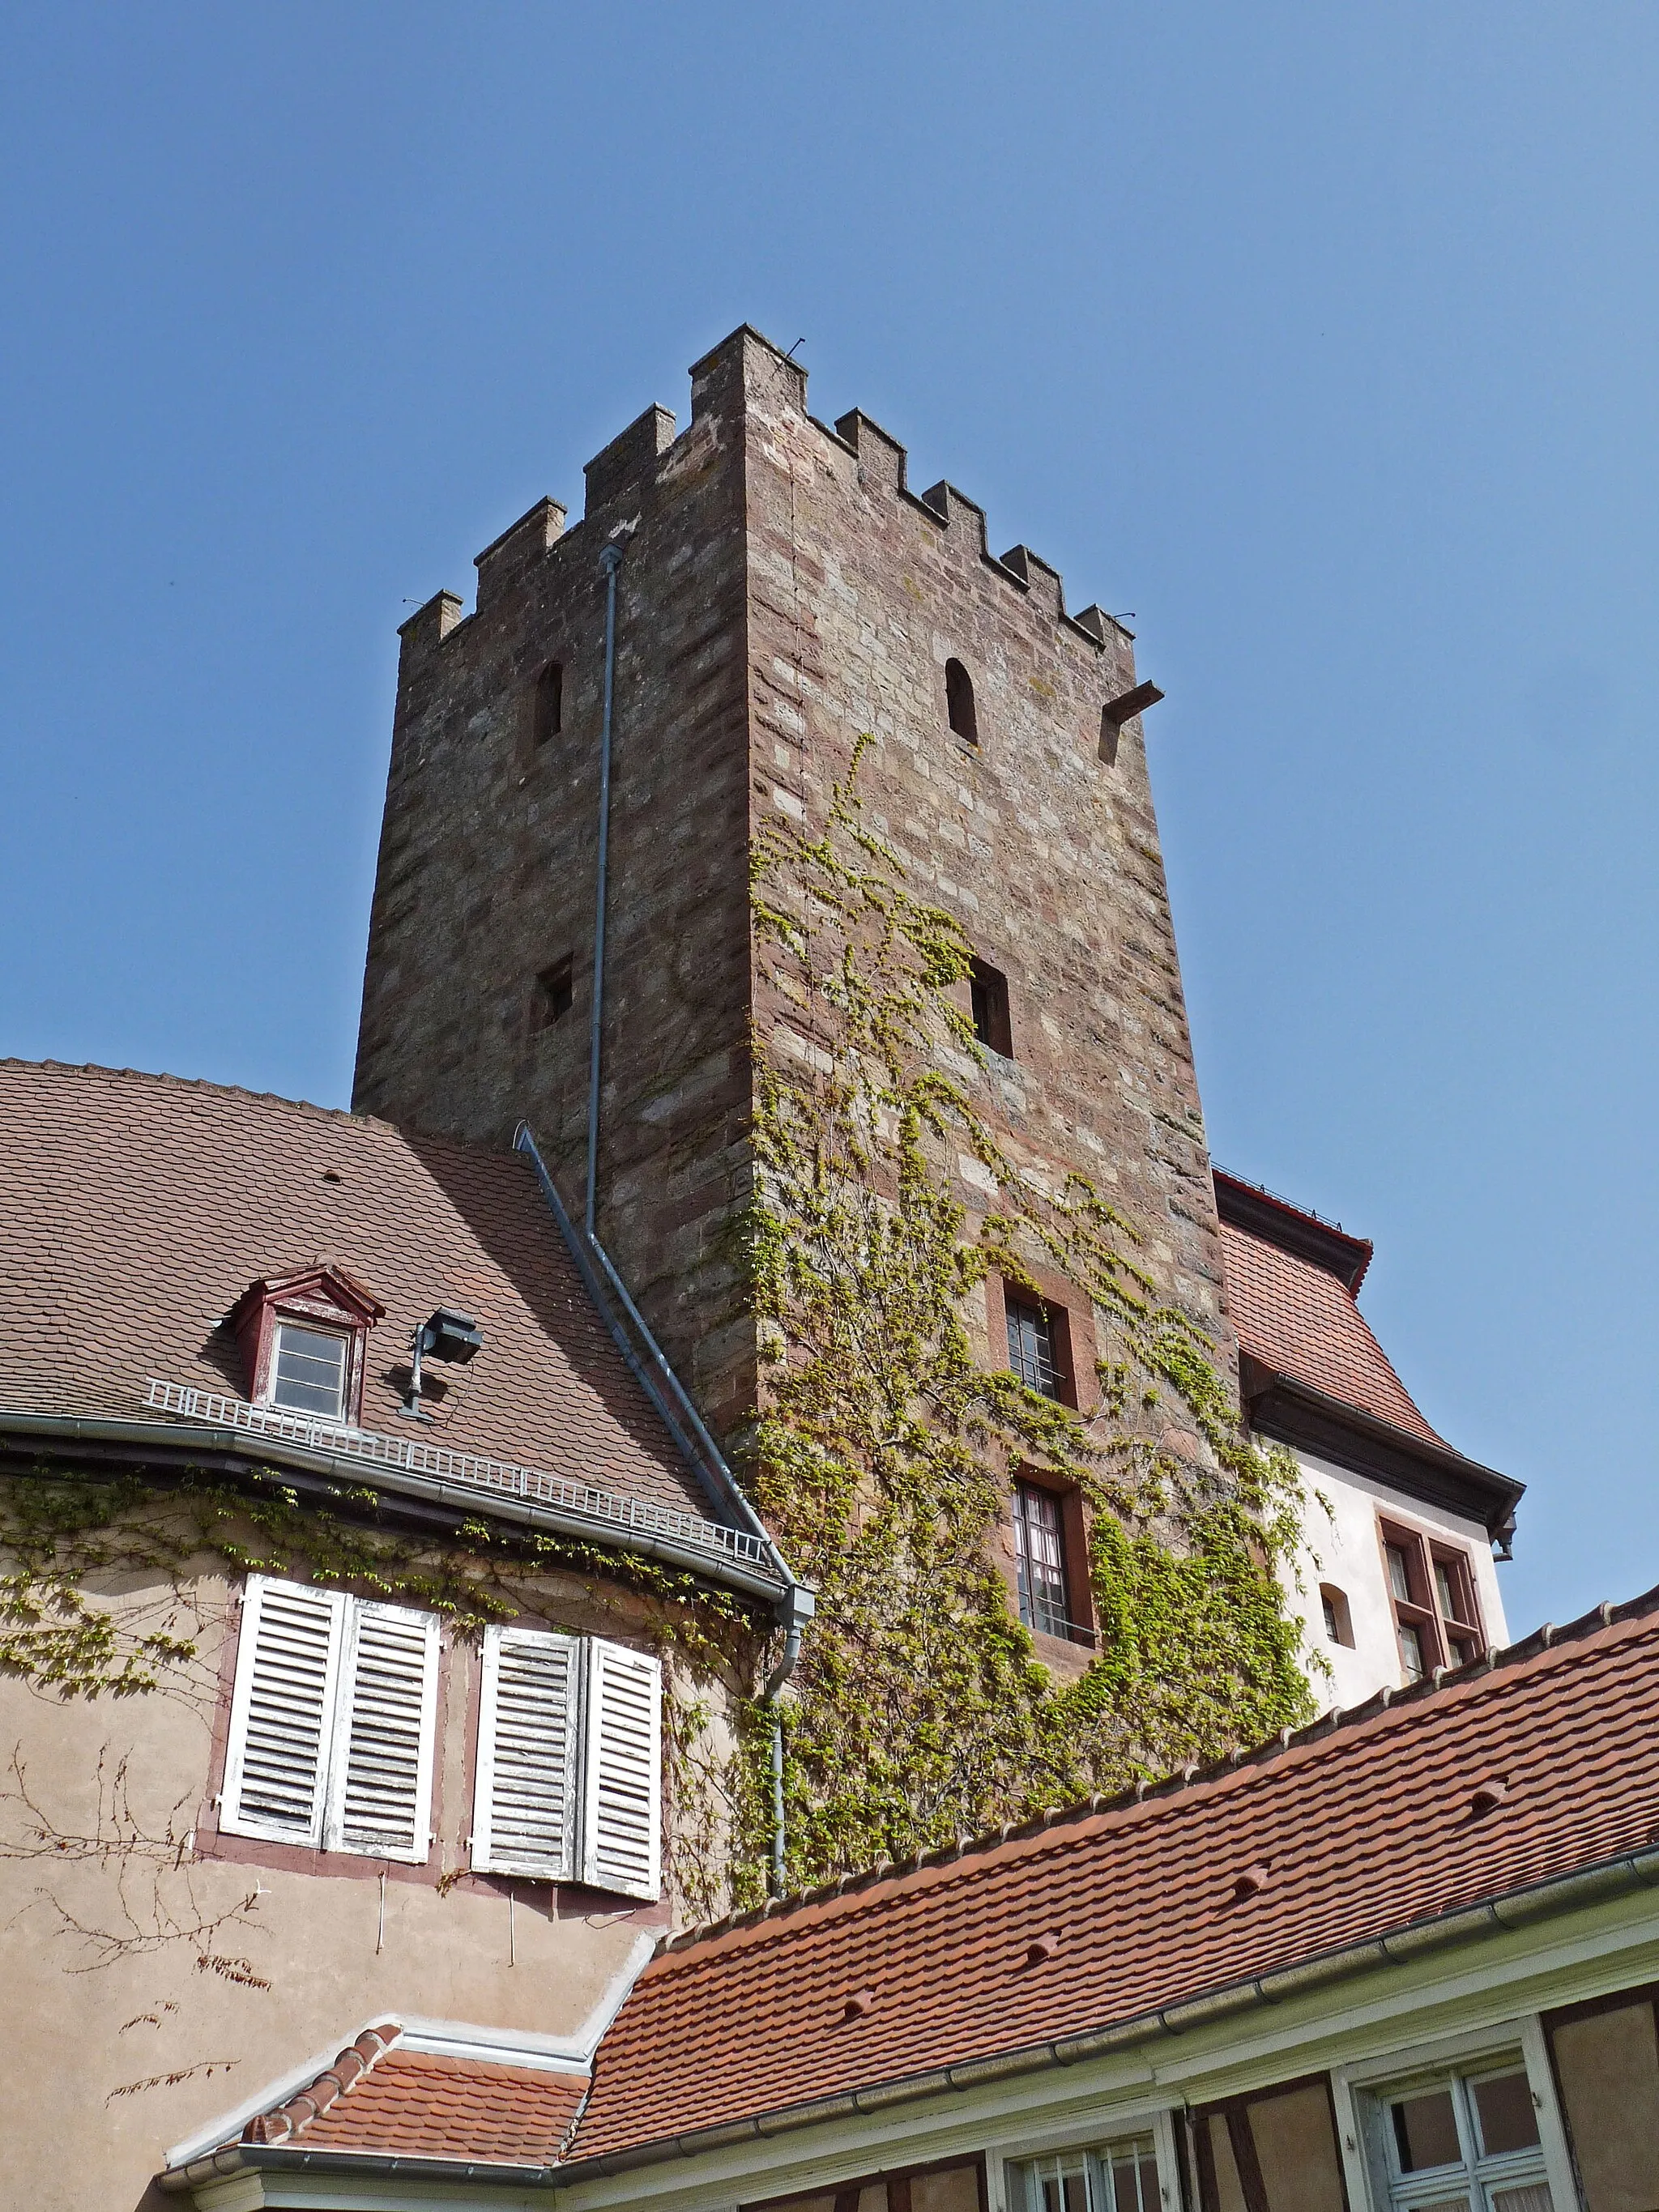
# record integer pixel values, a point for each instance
(1298, 1320)
(1355, 1830)
(137, 1208)
(379, 2097)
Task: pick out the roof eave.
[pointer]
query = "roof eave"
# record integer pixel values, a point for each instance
(177, 1446)
(1294, 1413)
(1262, 1214)
(1503, 1913)
(222, 2165)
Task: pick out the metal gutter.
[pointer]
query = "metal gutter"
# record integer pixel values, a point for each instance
(1504, 1914)
(1333, 1429)
(182, 1443)
(610, 561)
(1511, 1911)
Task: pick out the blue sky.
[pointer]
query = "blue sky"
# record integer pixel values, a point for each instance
(1321, 339)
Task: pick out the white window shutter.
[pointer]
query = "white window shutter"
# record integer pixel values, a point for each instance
(622, 1776)
(282, 1711)
(524, 1811)
(380, 1793)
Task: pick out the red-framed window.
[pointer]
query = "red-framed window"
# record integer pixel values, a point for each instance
(1431, 1590)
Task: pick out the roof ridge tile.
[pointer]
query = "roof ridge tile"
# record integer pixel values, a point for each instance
(295, 2113)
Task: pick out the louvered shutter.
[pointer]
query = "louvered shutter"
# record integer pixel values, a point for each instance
(622, 1771)
(525, 1810)
(380, 1797)
(282, 1711)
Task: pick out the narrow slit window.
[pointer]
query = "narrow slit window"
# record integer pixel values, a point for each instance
(1339, 1621)
(993, 1024)
(555, 993)
(310, 1371)
(959, 702)
(549, 702)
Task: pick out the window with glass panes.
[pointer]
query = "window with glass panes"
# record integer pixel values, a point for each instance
(1467, 2142)
(1432, 1589)
(1116, 2177)
(309, 1373)
(1039, 1558)
(1031, 1347)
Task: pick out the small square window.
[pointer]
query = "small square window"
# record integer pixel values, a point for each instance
(992, 1023)
(309, 1374)
(555, 993)
(1339, 1620)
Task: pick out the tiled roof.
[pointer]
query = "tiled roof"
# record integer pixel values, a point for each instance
(379, 2097)
(1298, 1320)
(1359, 1827)
(137, 1208)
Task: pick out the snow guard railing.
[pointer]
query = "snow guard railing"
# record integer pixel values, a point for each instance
(487, 1476)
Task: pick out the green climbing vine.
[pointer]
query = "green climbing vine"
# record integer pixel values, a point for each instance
(108, 1590)
(882, 1450)
(881, 1454)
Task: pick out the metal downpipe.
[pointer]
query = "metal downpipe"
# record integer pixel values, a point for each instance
(785, 1667)
(797, 1609)
(610, 561)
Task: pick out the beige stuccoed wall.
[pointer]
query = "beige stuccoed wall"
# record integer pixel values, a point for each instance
(77, 2131)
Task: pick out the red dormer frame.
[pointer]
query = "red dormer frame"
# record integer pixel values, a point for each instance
(321, 1296)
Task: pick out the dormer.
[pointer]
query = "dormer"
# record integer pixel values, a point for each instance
(304, 1342)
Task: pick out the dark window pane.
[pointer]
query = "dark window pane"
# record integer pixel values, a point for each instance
(1508, 2117)
(549, 703)
(1426, 2131)
(310, 1371)
(1031, 1347)
(959, 702)
(1134, 2182)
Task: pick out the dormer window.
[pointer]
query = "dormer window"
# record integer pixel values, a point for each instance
(311, 1368)
(304, 1342)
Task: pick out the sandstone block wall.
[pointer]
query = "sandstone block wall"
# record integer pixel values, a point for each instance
(783, 591)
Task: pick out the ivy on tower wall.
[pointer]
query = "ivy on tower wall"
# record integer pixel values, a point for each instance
(882, 1452)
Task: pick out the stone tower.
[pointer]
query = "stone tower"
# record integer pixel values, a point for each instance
(781, 591)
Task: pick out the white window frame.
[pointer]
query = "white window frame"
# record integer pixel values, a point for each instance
(588, 1767)
(313, 1327)
(326, 1832)
(1158, 2122)
(1358, 2089)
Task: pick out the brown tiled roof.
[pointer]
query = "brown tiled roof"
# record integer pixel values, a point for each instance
(1298, 1320)
(1359, 1827)
(137, 1208)
(379, 2097)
